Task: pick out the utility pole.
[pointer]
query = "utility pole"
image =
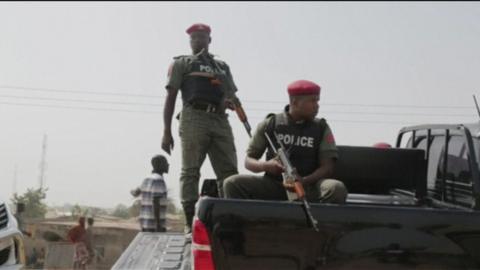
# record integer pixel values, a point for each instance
(14, 186)
(43, 163)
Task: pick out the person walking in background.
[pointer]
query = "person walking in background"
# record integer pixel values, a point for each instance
(20, 219)
(153, 194)
(89, 240)
(77, 235)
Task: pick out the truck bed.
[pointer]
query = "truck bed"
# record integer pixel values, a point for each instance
(156, 251)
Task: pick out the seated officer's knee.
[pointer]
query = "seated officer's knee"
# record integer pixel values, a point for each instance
(230, 186)
(229, 180)
(333, 191)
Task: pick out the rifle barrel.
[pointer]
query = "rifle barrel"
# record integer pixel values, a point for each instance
(243, 118)
(310, 217)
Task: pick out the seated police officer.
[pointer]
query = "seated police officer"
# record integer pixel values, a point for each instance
(311, 150)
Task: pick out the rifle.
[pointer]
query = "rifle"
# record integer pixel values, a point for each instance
(242, 116)
(291, 178)
(219, 79)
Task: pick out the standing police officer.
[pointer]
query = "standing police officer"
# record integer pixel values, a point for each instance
(311, 149)
(207, 90)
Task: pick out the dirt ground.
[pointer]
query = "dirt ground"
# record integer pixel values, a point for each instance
(111, 237)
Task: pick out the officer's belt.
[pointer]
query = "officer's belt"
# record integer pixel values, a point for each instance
(206, 107)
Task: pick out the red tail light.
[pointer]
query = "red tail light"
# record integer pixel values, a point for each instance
(201, 249)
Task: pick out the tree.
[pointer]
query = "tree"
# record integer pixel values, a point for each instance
(77, 210)
(33, 201)
(134, 210)
(121, 211)
(95, 211)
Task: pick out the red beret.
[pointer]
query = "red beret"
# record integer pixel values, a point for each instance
(382, 145)
(198, 27)
(303, 87)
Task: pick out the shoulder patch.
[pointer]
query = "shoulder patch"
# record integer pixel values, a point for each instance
(330, 139)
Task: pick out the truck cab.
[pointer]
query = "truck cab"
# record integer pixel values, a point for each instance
(452, 156)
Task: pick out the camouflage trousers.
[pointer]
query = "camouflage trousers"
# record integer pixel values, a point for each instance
(203, 133)
(267, 188)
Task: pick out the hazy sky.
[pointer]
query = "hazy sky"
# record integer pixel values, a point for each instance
(91, 76)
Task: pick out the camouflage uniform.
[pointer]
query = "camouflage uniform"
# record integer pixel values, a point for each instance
(204, 129)
(269, 187)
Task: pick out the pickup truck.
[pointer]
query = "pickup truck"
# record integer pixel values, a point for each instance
(12, 253)
(414, 206)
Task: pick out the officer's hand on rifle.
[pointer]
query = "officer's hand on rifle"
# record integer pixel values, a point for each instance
(229, 104)
(289, 185)
(293, 183)
(273, 166)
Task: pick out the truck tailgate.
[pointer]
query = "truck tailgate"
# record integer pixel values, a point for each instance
(250, 234)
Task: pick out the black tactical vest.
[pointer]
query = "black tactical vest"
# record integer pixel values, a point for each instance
(302, 141)
(201, 82)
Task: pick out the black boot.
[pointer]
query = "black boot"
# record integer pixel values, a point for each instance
(189, 211)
